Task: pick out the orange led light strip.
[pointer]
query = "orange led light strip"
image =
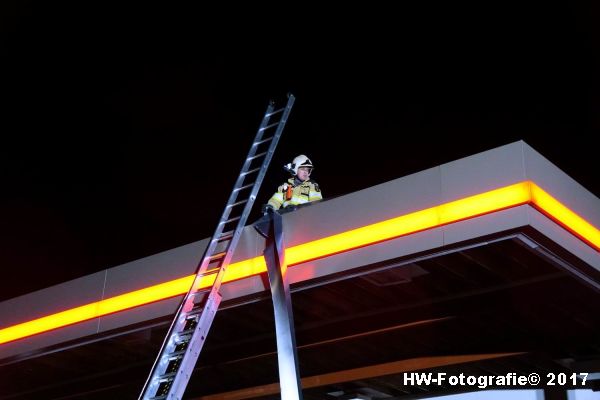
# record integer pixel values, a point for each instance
(509, 196)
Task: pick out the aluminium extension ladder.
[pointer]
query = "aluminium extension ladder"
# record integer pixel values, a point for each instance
(182, 345)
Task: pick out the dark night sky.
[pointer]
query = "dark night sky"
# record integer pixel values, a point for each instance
(123, 129)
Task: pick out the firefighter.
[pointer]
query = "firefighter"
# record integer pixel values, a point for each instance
(299, 189)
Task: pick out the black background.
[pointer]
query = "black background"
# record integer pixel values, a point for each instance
(124, 127)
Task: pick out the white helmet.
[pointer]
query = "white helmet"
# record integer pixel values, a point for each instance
(300, 161)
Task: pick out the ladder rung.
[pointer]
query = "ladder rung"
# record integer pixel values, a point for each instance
(251, 171)
(237, 203)
(244, 187)
(231, 220)
(190, 323)
(263, 141)
(195, 311)
(256, 156)
(225, 236)
(217, 256)
(166, 377)
(182, 346)
(276, 112)
(270, 126)
(184, 333)
(177, 353)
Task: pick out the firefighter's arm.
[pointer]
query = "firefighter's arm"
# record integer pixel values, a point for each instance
(315, 193)
(277, 199)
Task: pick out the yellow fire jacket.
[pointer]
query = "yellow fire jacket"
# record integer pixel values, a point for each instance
(303, 193)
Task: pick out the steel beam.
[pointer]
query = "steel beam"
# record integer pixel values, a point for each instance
(287, 357)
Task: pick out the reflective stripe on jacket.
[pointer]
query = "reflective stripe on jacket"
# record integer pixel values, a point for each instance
(304, 193)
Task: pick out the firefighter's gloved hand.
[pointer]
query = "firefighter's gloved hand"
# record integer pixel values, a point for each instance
(267, 209)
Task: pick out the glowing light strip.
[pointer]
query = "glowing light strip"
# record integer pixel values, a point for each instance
(510, 196)
(565, 217)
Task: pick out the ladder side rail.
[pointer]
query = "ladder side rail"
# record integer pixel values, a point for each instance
(202, 266)
(254, 192)
(212, 301)
(245, 167)
(252, 197)
(214, 298)
(227, 210)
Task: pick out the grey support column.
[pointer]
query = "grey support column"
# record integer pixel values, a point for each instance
(289, 376)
